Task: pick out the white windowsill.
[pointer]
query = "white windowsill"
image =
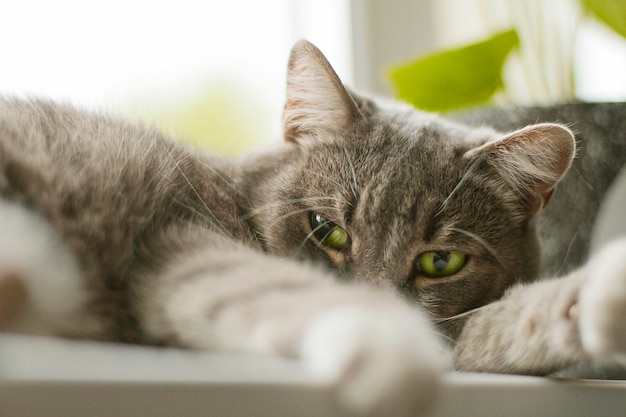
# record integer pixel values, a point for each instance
(51, 377)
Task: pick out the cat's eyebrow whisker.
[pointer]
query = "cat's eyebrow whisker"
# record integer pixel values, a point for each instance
(287, 202)
(354, 186)
(483, 242)
(467, 173)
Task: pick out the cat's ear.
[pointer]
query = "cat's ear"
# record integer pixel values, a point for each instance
(317, 101)
(531, 160)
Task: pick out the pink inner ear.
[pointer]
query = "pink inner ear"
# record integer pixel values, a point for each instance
(13, 297)
(553, 146)
(316, 98)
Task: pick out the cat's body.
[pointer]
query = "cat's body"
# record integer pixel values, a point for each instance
(162, 244)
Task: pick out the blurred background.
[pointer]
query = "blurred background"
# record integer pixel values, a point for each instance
(213, 72)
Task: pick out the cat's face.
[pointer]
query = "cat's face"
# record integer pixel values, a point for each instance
(389, 196)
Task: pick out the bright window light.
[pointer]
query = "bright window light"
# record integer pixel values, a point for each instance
(169, 60)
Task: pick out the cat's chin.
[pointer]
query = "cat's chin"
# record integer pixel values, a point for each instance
(602, 303)
(377, 363)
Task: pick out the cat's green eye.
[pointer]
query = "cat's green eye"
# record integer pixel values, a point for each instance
(437, 264)
(328, 232)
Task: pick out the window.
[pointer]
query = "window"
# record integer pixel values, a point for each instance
(212, 72)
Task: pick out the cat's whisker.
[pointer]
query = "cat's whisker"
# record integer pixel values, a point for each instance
(445, 337)
(483, 242)
(214, 219)
(310, 234)
(429, 305)
(288, 202)
(354, 186)
(195, 211)
(467, 173)
(582, 179)
(456, 316)
(569, 248)
(220, 176)
(426, 302)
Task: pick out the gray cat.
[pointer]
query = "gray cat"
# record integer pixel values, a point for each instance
(377, 244)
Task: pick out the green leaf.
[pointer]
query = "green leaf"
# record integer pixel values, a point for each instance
(611, 12)
(222, 116)
(455, 78)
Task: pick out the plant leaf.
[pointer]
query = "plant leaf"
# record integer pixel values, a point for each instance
(611, 12)
(455, 78)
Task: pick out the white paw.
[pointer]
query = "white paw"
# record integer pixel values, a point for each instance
(382, 363)
(50, 293)
(602, 302)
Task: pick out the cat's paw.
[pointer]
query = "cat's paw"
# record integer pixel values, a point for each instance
(41, 288)
(382, 363)
(601, 308)
(13, 298)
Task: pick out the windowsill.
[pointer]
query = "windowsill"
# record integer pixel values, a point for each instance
(51, 377)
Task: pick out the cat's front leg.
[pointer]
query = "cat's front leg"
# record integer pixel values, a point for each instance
(41, 286)
(380, 355)
(547, 326)
(528, 331)
(13, 298)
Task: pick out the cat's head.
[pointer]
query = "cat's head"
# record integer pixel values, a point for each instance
(391, 196)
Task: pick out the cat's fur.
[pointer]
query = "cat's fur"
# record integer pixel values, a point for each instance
(111, 231)
(601, 153)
